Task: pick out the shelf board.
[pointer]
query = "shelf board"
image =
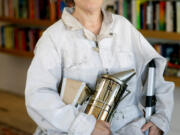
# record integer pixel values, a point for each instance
(17, 52)
(161, 35)
(176, 80)
(31, 22)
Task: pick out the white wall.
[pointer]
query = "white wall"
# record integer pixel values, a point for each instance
(13, 73)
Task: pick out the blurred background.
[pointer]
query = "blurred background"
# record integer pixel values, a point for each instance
(23, 21)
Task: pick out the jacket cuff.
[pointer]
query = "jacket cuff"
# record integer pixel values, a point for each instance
(83, 125)
(161, 122)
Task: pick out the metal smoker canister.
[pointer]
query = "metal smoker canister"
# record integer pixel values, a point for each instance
(109, 92)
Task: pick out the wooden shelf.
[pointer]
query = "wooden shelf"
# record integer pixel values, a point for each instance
(29, 22)
(17, 52)
(176, 80)
(161, 35)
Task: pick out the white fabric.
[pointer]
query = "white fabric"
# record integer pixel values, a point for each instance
(67, 49)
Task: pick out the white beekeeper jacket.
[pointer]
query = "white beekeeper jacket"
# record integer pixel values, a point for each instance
(67, 49)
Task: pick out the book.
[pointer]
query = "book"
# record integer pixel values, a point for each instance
(133, 13)
(6, 8)
(178, 16)
(74, 92)
(9, 37)
(162, 5)
(149, 15)
(11, 10)
(16, 9)
(169, 16)
(31, 6)
(157, 16)
(1, 8)
(2, 36)
(52, 10)
(174, 17)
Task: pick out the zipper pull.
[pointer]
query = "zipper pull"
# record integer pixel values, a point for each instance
(97, 47)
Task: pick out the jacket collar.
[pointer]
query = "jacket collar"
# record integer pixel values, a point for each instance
(71, 23)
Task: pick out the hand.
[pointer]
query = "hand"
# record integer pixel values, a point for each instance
(153, 129)
(101, 128)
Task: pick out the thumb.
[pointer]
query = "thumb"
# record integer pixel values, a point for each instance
(146, 126)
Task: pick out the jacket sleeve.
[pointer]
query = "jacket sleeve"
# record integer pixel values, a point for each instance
(43, 102)
(163, 89)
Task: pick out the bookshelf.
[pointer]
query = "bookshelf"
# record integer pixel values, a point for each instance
(15, 52)
(44, 23)
(27, 22)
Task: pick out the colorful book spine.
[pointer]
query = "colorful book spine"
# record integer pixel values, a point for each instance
(9, 37)
(162, 15)
(52, 10)
(138, 3)
(178, 16)
(10, 6)
(169, 16)
(157, 16)
(6, 8)
(31, 4)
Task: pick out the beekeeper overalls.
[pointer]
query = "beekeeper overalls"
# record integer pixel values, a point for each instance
(67, 49)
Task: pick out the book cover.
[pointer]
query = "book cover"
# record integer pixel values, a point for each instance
(178, 16)
(162, 16)
(169, 16)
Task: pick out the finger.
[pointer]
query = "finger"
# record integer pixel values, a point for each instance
(146, 126)
(152, 130)
(107, 124)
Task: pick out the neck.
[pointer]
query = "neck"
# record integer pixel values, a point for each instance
(91, 20)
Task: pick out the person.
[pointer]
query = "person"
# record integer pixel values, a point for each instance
(85, 43)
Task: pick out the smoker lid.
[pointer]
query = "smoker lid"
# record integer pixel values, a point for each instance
(121, 77)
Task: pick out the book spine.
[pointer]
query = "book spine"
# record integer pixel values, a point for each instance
(169, 16)
(10, 6)
(149, 17)
(178, 16)
(121, 7)
(157, 17)
(52, 10)
(31, 9)
(174, 17)
(162, 15)
(6, 8)
(133, 13)
(1, 8)
(16, 8)
(138, 2)
(2, 36)
(16, 44)
(125, 8)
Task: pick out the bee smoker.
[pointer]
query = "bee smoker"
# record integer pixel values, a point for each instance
(109, 93)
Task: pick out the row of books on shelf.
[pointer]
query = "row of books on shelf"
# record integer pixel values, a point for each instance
(32, 9)
(13, 37)
(149, 14)
(172, 53)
